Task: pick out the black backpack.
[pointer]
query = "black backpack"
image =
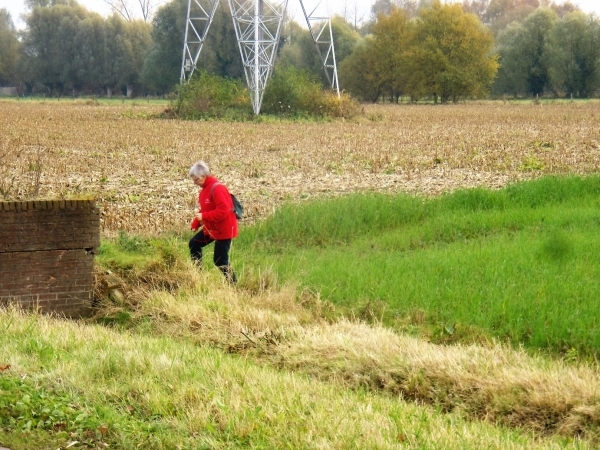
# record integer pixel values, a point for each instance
(238, 208)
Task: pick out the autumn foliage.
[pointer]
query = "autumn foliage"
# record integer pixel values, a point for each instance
(444, 53)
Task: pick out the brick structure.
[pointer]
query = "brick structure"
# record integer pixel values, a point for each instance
(47, 254)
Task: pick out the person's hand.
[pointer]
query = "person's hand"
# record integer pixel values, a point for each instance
(199, 217)
(195, 224)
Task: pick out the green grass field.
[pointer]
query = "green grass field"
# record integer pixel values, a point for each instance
(521, 264)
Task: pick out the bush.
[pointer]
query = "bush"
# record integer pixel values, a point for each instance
(293, 92)
(290, 92)
(211, 96)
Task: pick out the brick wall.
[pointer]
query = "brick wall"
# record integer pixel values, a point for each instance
(47, 254)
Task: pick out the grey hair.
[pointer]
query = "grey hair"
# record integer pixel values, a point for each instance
(199, 169)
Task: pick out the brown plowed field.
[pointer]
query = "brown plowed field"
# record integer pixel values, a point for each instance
(136, 165)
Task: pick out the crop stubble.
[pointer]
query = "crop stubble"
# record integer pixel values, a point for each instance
(136, 165)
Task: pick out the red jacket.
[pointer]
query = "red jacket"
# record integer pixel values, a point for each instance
(218, 217)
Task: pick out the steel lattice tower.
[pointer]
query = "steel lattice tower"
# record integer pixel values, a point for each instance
(258, 28)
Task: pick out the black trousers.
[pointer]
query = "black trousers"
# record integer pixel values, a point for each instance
(220, 256)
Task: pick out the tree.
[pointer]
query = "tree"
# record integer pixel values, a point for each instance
(477, 7)
(345, 38)
(220, 54)
(128, 9)
(66, 47)
(162, 65)
(89, 56)
(501, 13)
(291, 52)
(50, 47)
(115, 52)
(451, 57)
(9, 48)
(357, 72)
(299, 48)
(135, 44)
(562, 9)
(574, 54)
(444, 53)
(32, 4)
(512, 75)
(381, 7)
(351, 14)
(532, 48)
(523, 55)
(300, 51)
(385, 7)
(393, 36)
(498, 14)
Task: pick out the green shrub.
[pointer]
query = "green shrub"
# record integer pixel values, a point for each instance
(290, 93)
(211, 96)
(293, 92)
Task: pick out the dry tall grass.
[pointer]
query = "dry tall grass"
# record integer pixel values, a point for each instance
(136, 166)
(207, 399)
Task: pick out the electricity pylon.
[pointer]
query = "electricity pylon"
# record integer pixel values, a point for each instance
(197, 24)
(258, 29)
(322, 34)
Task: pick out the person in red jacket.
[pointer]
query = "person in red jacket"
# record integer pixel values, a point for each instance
(215, 220)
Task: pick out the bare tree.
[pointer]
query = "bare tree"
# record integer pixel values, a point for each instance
(410, 7)
(129, 9)
(353, 14)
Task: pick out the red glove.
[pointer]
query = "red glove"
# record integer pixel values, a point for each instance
(195, 224)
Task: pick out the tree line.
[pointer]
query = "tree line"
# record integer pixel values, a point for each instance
(517, 48)
(407, 49)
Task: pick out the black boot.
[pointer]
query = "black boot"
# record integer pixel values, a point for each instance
(229, 274)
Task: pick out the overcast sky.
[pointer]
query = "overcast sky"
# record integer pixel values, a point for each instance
(349, 8)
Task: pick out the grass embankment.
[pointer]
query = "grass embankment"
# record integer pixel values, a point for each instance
(84, 386)
(93, 385)
(192, 363)
(153, 386)
(519, 264)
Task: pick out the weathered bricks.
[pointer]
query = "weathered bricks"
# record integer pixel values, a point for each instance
(47, 254)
